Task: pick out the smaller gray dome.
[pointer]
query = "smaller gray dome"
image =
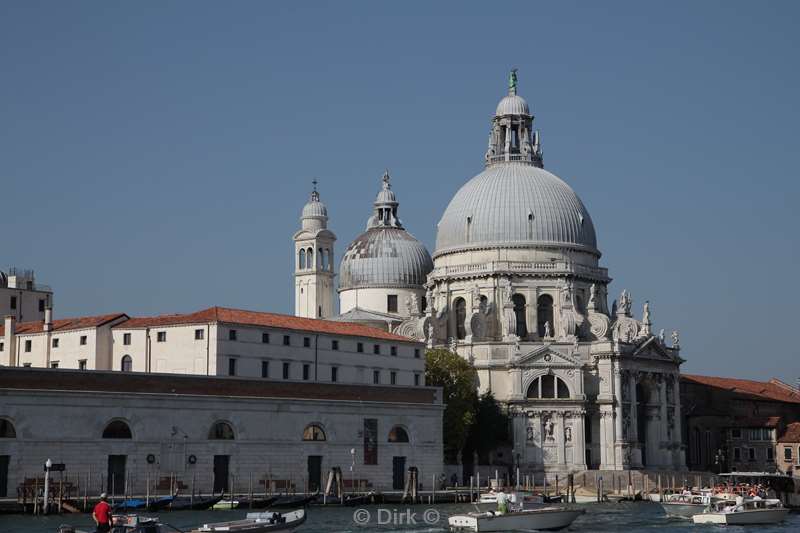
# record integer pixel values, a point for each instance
(384, 257)
(314, 209)
(512, 105)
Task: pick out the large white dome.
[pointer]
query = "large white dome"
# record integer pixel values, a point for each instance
(515, 205)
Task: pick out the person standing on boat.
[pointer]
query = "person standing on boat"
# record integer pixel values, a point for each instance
(502, 502)
(102, 515)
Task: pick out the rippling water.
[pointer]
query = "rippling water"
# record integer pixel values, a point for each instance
(609, 517)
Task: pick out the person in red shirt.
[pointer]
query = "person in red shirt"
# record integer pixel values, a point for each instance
(102, 515)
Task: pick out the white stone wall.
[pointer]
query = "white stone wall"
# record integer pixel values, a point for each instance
(376, 299)
(27, 309)
(182, 353)
(67, 428)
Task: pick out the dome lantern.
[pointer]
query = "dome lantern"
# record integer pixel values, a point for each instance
(512, 137)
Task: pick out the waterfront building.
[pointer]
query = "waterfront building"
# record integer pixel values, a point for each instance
(22, 297)
(218, 341)
(734, 424)
(125, 430)
(788, 452)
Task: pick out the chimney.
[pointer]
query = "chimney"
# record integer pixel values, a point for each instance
(48, 319)
(10, 349)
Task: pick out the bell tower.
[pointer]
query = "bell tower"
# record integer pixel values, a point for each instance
(313, 262)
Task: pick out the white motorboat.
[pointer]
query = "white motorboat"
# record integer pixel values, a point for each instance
(545, 518)
(688, 504)
(258, 523)
(744, 512)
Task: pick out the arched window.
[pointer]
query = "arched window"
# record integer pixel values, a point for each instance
(320, 258)
(310, 258)
(126, 365)
(548, 387)
(330, 259)
(117, 429)
(398, 434)
(302, 261)
(7, 430)
(519, 312)
(221, 431)
(544, 313)
(461, 317)
(314, 432)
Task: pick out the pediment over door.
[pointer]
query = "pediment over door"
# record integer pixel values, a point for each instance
(547, 357)
(652, 349)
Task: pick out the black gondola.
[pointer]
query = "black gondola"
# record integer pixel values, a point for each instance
(199, 504)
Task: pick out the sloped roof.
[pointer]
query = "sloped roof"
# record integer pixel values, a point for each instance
(773, 389)
(792, 433)
(258, 318)
(81, 381)
(65, 324)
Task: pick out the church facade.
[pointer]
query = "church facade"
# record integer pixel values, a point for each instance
(515, 286)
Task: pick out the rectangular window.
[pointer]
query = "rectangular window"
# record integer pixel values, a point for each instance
(55, 342)
(28, 345)
(285, 370)
(264, 369)
(82, 364)
(376, 349)
(391, 303)
(41, 306)
(199, 334)
(287, 340)
(770, 454)
(265, 338)
(751, 454)
(416, 353)
(416, 380)
(2, 346)
(53, 364)
(737, 454)
(13, 302)
(83, 340)
(393, 350)
(736, 433)
(334, 345)
(161, 336)
(376, 377)
(306, 371)
(787, 454)
(755, 434)
(393, 378)
(360, 347)
(126, 337)
(766, 434)
(370, 441)
(231, 366)
(231, 334)
(306, 342)
(334, 374)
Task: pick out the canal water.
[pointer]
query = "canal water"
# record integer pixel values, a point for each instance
(606, 517)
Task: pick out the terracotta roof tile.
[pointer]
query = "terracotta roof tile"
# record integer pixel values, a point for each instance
(258, 318)
(792, 433)
(769, 390)
(65, 324)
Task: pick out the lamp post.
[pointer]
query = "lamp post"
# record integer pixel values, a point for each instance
(353, 470)
(47, 465)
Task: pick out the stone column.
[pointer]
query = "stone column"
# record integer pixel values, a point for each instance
(618, 402)
(634, 408)
(607, 454)
(515, 375)
(579, 440)
(662, 409)
(677, 430)
(562, 449)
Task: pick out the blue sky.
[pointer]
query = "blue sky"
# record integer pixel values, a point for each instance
(154, 156)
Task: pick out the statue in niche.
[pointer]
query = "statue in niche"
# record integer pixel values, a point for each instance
(547, 332)
(626, 426)
(549, 428)
(592, 297)
(429, 299)
(430, 335)
(566, 294)
(529, 434)
(568, 434)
